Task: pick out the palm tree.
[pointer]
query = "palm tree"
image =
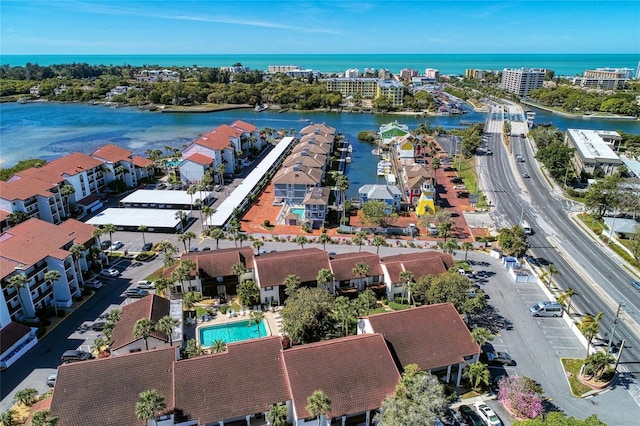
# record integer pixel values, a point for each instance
(361, 269)
(109, 228)
(186, 237)
(44, 418)
(551, 270)
(169, 251)
(149, 402)
(25, 396)
(218, 346)
(193, 349)
(378, 241)
(181, 216)
(220, 169)
(318, 404)
(234, 228)
(242, 237)
(359, 239)
(301, 240)
(143, 229)
(162, 285)
(66, 190)
(165, 325)
(97, 233)
(277, 415)
(481, 335)
(291, 284)
(590, 327)
(52, 276)
(596, 364)
(324, 239)
(18, 282)
(466, 246)
(256, 318)
(324, 277)
(100, 345)
(450, 247)
(407, 278)
(207, 211)
(565, 298)
(216, 234)
(342, 183)
(187, 267)
(478, 375)
(444, 230)
(238, 269)
(192, 190)
(77, 250)
(142, 330)
(8, 418)
(257, 244)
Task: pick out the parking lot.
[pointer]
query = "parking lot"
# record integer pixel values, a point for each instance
(538, 344)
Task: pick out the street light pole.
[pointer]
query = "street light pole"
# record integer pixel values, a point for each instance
(613, 327)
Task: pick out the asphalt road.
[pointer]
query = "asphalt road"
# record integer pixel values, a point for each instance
(598, 278)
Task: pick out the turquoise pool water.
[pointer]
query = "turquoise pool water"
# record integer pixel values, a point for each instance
(298, 211)
(172, 163)
(231, 332)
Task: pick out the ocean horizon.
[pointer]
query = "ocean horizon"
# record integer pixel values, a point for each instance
(446, 64)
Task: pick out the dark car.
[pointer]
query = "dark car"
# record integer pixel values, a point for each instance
(449, 169)
(147, 246)
(105, 244)
(75, 356)
(497, 358)
(136, 293)
(636, 284)
(456, 180)
(463, 194)
(98, 326)
(470, 417)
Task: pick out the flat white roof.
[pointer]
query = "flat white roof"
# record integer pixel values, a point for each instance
(162, 196)
(591, 145)
(225, 209)
(152, 218)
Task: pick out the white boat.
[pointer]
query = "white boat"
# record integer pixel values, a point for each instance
(381, 172)
(349, 148)
(348, 160)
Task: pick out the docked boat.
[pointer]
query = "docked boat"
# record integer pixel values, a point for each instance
(348, 160)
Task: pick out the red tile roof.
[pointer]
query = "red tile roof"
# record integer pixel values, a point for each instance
(23, 188)
(150, 307)
(199, 159)
(112, 153)
(57, 170)
(245, 379)
(342, 265)
(139, 161)
(299, 175)
(317, 138)
(322, 128)
(420, 263)
(218, 263)
(244, 126)
(219, 138)
(273, 268)
(356, 372)
(105, 391)
(432, 336)
(23, 244)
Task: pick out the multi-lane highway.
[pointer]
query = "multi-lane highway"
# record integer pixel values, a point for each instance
(599, 277)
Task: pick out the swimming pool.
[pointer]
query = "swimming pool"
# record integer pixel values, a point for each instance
(299, 211)
(231, 332)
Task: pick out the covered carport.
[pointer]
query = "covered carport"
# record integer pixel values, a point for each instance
(156, 220)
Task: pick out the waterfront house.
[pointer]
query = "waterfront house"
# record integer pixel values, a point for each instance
(220, 144)
(433, 336)
(143, 167)
(250, 140)
(419, 187)
(388, 132)
(388, 194)
(25, 252)
(33, 197)
(292, 184)
(194, 167)
(118, 164)
(404, 149)
(306, 158)
(316, 206)
(320, 128)
(420, 264)
(152, 308)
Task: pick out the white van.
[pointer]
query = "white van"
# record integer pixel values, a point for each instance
(546, 309)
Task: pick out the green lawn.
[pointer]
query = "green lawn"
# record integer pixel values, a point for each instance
(572, 366)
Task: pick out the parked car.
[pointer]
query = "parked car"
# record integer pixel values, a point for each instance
(488, 416)
(105, 244)
(75, 355)
(489, 152)
(470, 416)
(462, 194)
(206, 248)
(147, 246)
(116, 245)
(136, 293)
(98, 326)
(94, 284)
(144, 284)
(497, 358)
(449, 169)
(525, 175)
(636, 284)
(459, 187)
(456, 180)
(193, 249)
(51, 380)
(111, 272)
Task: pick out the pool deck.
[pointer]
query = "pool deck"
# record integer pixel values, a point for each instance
(273, 321)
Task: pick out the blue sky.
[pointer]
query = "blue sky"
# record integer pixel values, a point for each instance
(344, 26)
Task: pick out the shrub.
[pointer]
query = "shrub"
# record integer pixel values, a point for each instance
(266, 223)
(519, 394)
(398, 306)
(223, 309)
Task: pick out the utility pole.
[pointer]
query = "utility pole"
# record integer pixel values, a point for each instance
(613, 327)
(615, 368)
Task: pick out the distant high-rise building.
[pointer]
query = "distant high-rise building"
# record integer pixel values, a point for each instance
(352, 73)
(407, 73)
(384, 74)
(431, 73)
(521, 81)
(604, 78)
(474, 74)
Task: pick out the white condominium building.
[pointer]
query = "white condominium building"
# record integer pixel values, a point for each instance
(521, 81)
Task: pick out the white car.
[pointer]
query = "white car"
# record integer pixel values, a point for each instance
(487, 414)
(146, 284)
(459, 187)
(111, 272)
(116, 245)
(94, 284)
